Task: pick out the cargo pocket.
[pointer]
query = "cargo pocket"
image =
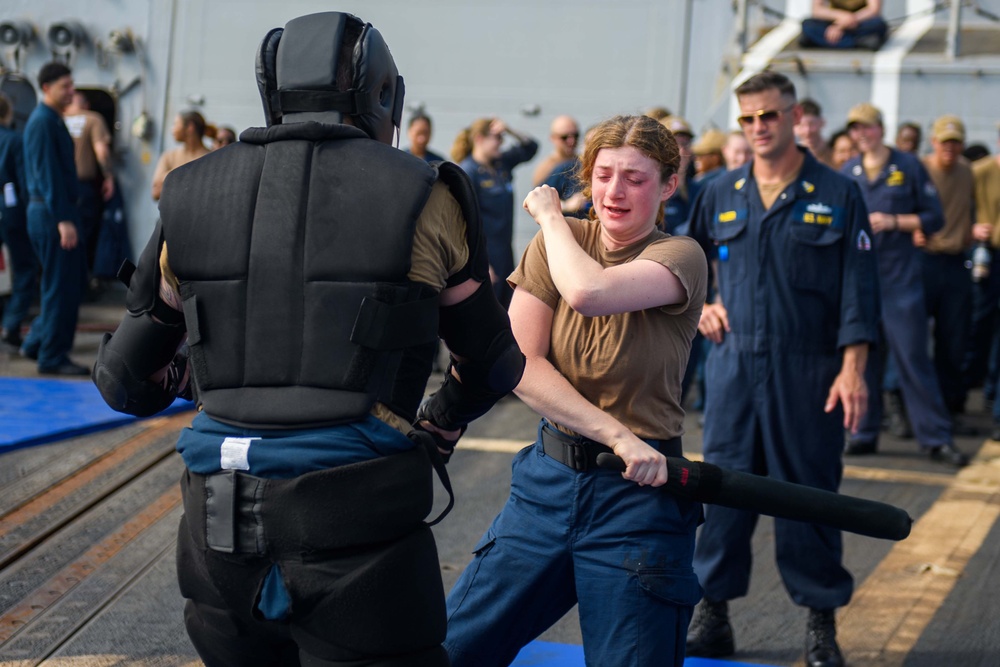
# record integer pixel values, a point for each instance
(676, 587)
(670, 598)
(463, 590)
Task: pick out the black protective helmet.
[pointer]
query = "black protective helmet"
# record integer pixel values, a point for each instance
(298, 68)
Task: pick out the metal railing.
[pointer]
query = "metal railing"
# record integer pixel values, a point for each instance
(952, 48)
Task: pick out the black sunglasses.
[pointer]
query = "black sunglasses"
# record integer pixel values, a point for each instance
(766, 116)
(564, 137)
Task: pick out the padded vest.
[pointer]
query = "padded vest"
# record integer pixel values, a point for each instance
(292, 248)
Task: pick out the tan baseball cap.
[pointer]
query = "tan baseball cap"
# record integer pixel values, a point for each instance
(864, 113)
(711, 141)
(677, 125)
(948, 128)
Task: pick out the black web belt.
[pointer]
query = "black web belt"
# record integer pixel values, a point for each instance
(580, 453)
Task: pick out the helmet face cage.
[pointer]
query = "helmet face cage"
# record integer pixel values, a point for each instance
(297, 69)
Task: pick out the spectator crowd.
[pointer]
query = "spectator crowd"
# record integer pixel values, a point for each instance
(853, 282)
(62, 213)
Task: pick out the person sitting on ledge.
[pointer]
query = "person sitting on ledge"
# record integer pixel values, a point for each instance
(845, 24)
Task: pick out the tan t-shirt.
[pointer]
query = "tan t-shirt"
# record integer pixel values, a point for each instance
(87, 128)
(849, 5)
(439, 251)
(957, 192)
(170, 161)
(178, 157)
(629, 365)
(986, 173)
(769, 191)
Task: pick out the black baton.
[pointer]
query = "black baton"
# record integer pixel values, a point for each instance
(707, 483)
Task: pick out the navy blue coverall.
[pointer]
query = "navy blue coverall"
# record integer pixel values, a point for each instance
(495, 193)
(799, 283)
(14, 232)
(53, 189)
(903, 187)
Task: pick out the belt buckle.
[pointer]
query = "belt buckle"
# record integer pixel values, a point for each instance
(578, 456)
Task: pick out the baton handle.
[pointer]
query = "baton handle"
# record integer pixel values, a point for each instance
(708, 483)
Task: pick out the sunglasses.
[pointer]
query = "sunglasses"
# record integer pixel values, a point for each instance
(766, 116)
(565, 137)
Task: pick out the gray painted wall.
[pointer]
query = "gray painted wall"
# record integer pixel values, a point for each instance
(461, 60)
(523, 60)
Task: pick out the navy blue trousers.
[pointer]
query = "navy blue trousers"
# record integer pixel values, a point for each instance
(623, 552)
(814, 33)
(64, 278)
(764, 415)
(904, 329)
(91, 206)
(980, 367)
(23, 266)
(948, 295)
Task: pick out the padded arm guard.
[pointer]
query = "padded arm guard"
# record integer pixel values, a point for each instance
(145, 342)
(485, 356)
(140, 347)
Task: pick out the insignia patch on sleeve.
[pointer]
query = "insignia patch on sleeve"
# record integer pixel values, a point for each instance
(864, 241)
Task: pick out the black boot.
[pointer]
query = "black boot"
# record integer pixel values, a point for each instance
(899, 421)
(710, 634)
(821, 640)
(949, 454)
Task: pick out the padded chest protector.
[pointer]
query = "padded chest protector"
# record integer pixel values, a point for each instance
(292, 249)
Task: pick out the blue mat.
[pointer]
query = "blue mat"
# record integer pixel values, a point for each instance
(33, 412)
(547, 654)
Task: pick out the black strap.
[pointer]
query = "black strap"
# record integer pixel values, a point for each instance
(125, 272)
(351, 102)
(581, 453)
(424, 438)
(220, 511)
(576, 452)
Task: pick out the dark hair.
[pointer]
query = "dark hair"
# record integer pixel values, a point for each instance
(420, 115)
(837, 135)
(913, 126)
(52, 71)
(975, 152)
(644, 134)
(810, 107)
(767, 80)
(196, 119)
(5, 106)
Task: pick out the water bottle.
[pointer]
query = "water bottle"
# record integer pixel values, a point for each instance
(981, 262)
